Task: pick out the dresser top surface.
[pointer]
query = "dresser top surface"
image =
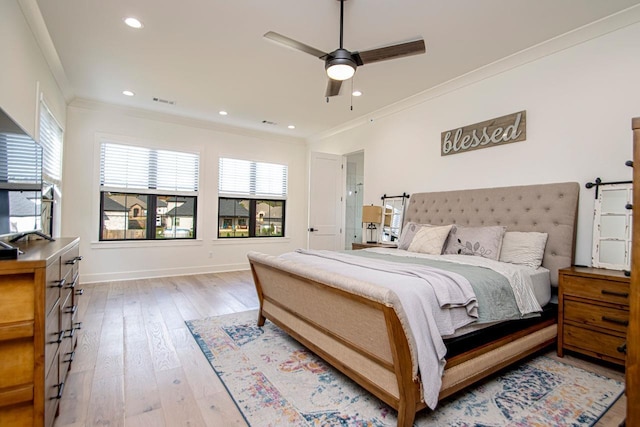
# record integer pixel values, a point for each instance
(597, 273)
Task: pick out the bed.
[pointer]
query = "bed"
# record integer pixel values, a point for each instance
(363, 330)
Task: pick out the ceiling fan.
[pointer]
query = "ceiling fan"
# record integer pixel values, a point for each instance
(341, 64)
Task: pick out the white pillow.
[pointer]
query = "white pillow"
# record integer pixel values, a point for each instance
(430, 240)
(409, 231)
(526, 248)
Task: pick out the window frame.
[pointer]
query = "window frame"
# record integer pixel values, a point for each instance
(152, 194)
(251, 227)
(151, 221)
(239, 179)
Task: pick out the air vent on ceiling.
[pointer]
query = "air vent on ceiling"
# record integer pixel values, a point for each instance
(269, 122)
(164, 101)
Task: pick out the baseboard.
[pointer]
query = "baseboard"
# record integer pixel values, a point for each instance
(165, 272)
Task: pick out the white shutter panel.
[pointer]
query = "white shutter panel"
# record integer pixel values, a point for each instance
(247, 178)
(127, 167)
(18, 170)
(50, 138)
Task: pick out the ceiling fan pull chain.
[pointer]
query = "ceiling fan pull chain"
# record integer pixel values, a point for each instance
(352, 79)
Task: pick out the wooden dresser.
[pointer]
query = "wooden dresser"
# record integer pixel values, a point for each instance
(593, 315)
(38, 324)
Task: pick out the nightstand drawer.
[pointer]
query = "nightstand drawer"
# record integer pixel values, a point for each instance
(598, 289)
(595, 343)
(601, 317)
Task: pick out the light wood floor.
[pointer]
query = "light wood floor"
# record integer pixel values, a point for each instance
(137, 364)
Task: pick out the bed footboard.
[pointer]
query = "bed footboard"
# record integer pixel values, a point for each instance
(360, 337)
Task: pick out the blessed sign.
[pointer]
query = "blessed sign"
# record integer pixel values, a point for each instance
(498, 131)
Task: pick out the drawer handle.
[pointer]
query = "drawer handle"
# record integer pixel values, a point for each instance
(59, 283)
(77, 325)
(80, 292)
(72, 309)
(615, 293)
(614, 320)
(59, 340)
(60, 389)
(73, 284)
(622, 348)
(74, 260)
(71, 333)
(72, 356)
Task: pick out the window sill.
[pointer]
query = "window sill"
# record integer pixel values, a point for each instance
(144, 243)
(251, 240)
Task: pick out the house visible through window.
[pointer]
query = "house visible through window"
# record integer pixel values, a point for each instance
(252, 199)
(147, 194)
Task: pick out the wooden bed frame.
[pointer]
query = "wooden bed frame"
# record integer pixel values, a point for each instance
(363, 334)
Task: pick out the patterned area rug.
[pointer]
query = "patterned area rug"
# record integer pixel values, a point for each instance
(275, 381)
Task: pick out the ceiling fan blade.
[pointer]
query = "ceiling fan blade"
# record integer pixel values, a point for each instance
(333, 87)
(399, 50)
(294, 44)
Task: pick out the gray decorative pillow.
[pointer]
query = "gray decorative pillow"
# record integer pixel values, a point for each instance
(480, 241)
(409, 231)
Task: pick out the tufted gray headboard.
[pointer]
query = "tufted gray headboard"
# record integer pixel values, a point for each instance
(547, 208)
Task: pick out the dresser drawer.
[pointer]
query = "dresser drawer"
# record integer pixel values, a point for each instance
(53, 286)
(597, 289)
(52, 337)
(69, 263)
(598, 316)
(52, 392)
(597, 343)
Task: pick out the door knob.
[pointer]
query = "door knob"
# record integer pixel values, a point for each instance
(312, 229)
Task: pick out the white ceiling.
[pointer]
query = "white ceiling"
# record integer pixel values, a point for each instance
(209, 55)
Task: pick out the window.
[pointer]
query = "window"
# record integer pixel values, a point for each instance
(50, 138)
(147, 194)
(252, 199)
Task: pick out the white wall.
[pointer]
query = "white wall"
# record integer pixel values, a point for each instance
(23, 68)
(579, 104)
(87, 121)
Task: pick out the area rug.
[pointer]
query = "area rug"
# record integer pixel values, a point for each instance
(275, 381)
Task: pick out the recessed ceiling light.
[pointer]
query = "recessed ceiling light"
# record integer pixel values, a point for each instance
(133, 22)
(291, 127)
(223, 113)
(357, 93)
(127, 93)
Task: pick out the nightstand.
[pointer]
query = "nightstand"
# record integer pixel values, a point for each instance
(355, 246)
(593, 312)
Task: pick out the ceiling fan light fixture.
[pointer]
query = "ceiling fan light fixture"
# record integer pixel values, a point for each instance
(340, 71)
(340, 65)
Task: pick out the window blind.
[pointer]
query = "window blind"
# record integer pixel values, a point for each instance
(50, 137)
(247, 178)
(126, 167)
(20, 162)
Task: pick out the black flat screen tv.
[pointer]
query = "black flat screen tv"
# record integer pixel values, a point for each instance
(20, 181)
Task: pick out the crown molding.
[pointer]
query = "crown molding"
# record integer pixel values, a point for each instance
(34, 19)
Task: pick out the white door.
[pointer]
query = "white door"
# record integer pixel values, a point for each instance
(325, 202)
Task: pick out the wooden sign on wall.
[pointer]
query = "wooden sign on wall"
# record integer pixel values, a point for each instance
(498, 131)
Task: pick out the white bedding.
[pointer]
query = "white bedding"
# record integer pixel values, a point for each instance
(519, 276)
